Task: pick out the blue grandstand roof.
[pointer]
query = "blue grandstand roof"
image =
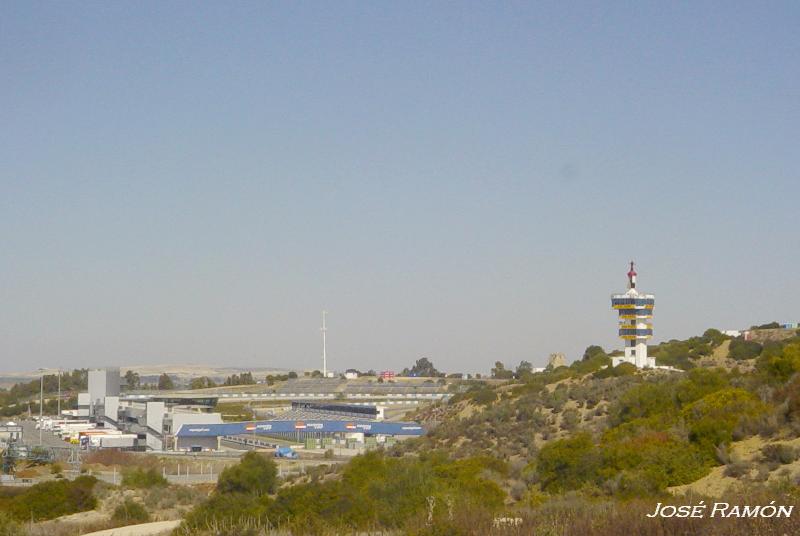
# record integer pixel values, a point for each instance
(281, 427)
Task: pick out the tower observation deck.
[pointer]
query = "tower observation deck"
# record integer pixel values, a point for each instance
(635, 323)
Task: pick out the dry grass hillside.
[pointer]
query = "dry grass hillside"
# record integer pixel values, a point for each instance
(732, 416)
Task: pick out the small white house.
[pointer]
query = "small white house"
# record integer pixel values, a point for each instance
(350, 374)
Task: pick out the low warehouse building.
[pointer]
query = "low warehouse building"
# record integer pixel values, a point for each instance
(208, 436)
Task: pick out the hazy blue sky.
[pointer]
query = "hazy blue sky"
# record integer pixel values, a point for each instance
(194, 182)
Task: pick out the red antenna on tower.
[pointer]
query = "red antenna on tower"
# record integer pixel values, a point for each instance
(632, 277)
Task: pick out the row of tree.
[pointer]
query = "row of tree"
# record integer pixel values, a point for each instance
(15, 399)
(134, 382)
(166, 382)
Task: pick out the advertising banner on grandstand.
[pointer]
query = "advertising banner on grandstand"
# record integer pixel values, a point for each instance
(285, 427)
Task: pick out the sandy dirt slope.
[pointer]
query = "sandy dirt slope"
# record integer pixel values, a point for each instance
(159, 528)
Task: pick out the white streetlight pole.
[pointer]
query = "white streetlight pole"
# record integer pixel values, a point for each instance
(58, 416)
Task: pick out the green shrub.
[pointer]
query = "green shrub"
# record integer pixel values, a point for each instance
(713, 418)
(253, 474)
(568, 464)
(769, 325)
(594, 359)
(652, 460)
(642, 401)
(781, 367)
(221, 510)
(130, 512)
(623, 369)
(374, 491)
(715, 336)
(49, 500)
(699, 383)
(779, 452)
(681, 353)
(8, 526)
(741, 349)
(56, 468)
(142, 478)
(570, 419)
(484, 396)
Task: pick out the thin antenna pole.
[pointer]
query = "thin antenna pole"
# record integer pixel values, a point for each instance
(324, 347)
(41, 403)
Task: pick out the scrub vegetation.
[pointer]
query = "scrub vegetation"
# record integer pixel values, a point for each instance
(48, 500)
(581, 449)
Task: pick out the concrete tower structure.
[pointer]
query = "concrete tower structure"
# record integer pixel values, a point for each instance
(102, 383)
(635, 323)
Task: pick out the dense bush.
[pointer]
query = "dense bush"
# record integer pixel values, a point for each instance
(567, 463)
(626, 464)
(374, 491)
(9, 526)
(713, 418)
(769, 325)
(254, 474)
(623, 369)
(478, 392)
(130, 512)
(652, 459)
(49, 500)
(699, 383)
(779, 367)
(484, 396)
(790, 395)
(142, 478)
(681, 353)
(741, 349)
(642, 401)
(594, 359)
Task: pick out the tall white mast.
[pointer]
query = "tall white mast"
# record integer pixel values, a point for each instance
(324, 347)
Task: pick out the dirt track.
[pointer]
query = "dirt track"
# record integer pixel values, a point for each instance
(159, 528)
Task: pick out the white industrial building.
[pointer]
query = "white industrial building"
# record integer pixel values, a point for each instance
(150, 418)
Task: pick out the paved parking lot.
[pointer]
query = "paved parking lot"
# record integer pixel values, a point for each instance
(30, 436)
